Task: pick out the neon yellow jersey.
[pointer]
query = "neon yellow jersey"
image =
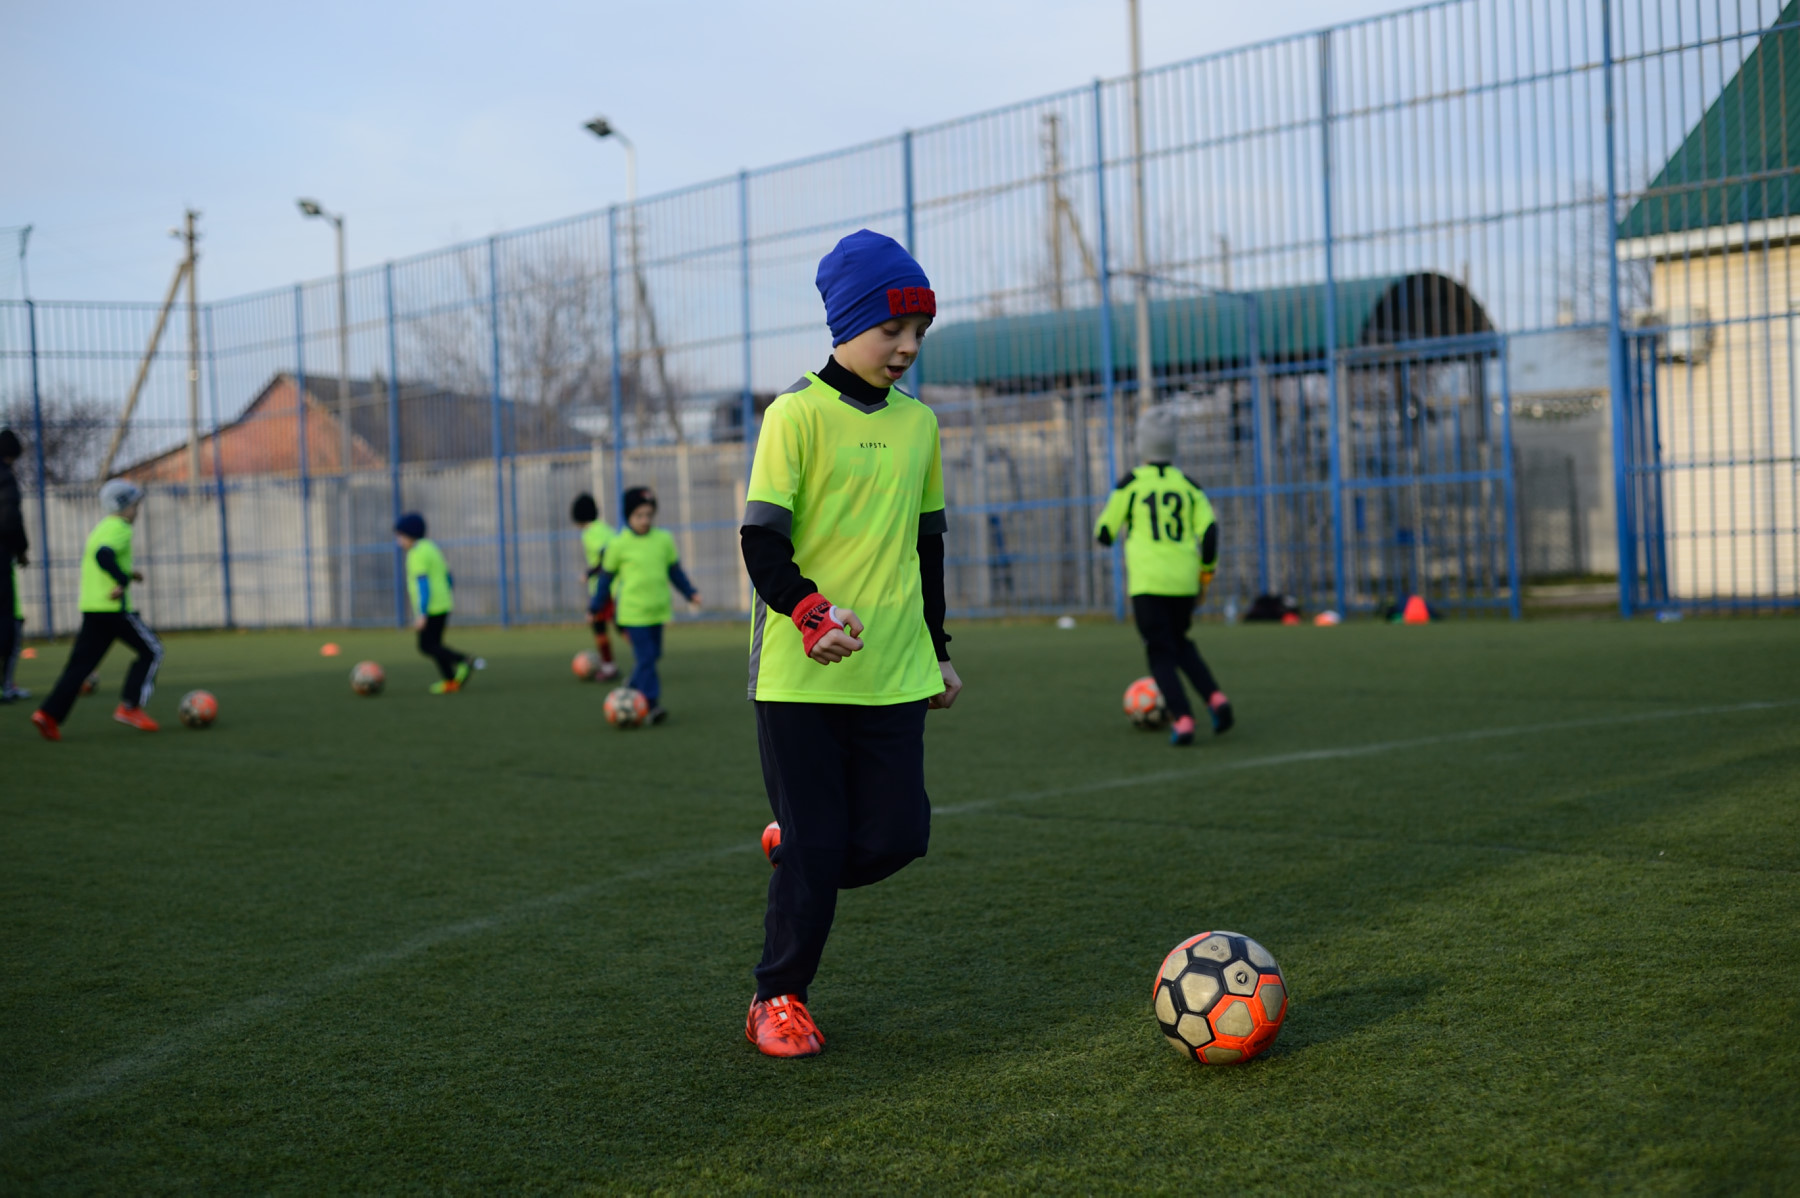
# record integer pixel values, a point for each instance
(97, 585)
(18, 598)
(640, 569)
(1163, 516)
(593, 543)
(428, 579)
(852, 485)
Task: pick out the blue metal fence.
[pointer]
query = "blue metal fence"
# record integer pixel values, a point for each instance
(1381, 263)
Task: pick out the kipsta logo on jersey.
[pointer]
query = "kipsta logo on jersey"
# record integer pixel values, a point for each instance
(902, 300)
(872, 445)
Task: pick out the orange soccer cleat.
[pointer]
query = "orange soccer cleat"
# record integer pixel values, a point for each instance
(781, 1027)
(46, 725)
(135, 717)
(771, 840)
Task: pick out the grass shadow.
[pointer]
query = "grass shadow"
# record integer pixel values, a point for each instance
(1315, 1020)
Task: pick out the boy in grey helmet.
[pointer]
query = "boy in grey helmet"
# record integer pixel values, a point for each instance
(108, 615)
(1171, 551)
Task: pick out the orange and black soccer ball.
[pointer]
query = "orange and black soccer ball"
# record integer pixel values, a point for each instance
(1144, 704)
(586, 665)
(367, 678)
(626, 708)
(1220, 998)
(198, 709)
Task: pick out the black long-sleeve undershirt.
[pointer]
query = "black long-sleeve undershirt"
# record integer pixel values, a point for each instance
(769, 555)
(107, 560)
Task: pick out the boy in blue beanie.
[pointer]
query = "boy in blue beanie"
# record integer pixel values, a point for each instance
(429, 583)
(843, 538)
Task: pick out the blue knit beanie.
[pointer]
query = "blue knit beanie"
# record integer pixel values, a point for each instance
(411, 525)
(867, 279)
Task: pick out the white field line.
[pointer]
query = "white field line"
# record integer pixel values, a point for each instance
(167, 1049)
(1391, 746)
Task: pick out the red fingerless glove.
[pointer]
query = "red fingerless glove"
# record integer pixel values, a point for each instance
(814, 616)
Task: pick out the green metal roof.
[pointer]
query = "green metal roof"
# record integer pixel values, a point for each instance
(1209, 331)
(1738, 163)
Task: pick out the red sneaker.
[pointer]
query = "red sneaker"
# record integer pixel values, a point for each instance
(781, 1027)
(46, 725)
(134, 717)
(771, 838)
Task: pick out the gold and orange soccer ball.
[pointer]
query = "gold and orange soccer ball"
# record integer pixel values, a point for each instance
(1220, 998)
(586, 665)
(198, 709)
(367, 678)
(1144, 704)
(626, 708)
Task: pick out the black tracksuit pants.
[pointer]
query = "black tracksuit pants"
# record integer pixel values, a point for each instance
(431, 644)
(847, 786)
(1163, 621)
(9, 629)
(99, 629)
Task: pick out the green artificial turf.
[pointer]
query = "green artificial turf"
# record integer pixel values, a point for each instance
(1533, 888)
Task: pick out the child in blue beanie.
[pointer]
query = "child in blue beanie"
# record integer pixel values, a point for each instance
(843, 538)
(429, 583)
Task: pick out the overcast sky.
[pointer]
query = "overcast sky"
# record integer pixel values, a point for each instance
(429, 123)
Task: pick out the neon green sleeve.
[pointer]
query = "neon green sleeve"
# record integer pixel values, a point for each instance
(1115, 514)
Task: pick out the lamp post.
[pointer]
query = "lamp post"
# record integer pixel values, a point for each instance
(311, 209)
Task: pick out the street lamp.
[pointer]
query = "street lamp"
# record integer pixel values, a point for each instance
(602, 128)
(311, 209)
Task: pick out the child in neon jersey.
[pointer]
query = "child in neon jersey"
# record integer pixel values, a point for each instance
(595, 533)
(431, 587)
(644, 561)
(843, 538)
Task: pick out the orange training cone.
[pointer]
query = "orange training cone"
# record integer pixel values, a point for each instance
(1416, 612)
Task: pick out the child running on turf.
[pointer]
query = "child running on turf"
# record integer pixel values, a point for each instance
(1171, 552)
(843, 536)
(14, 550)
(595, 533)
(107, 615)
(644, 561)
(429, 583)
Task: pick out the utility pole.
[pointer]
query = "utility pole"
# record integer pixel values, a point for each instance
(24, 275)
(1053, 171)
(1145, 368)
(191, 238)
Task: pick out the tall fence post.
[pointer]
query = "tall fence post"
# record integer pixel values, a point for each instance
(1516, 602)
(906, 163)
(1331, 329)
(499, 433)
(393, 439)
(1259, 441)
(749, 397)
(305, 457)
(618, 371)
(43, 491)
(218, 454)
(1615, 336)
(1106, 338)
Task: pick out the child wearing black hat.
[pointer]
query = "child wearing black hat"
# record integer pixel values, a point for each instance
(595, 533)
(429, 584)
(644, 560)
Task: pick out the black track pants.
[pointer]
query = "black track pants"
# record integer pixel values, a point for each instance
(1163, 621)
(847, 786)
(9, 642)
(99, 629)
(431, 644)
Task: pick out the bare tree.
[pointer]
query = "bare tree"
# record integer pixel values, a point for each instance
(74, 433)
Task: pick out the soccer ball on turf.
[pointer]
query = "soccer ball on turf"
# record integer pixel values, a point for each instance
(90, 684)
(1220, 998)
(626, 708)
(587, 665)
(367, 678)
(1144, 704)
(198, 709)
